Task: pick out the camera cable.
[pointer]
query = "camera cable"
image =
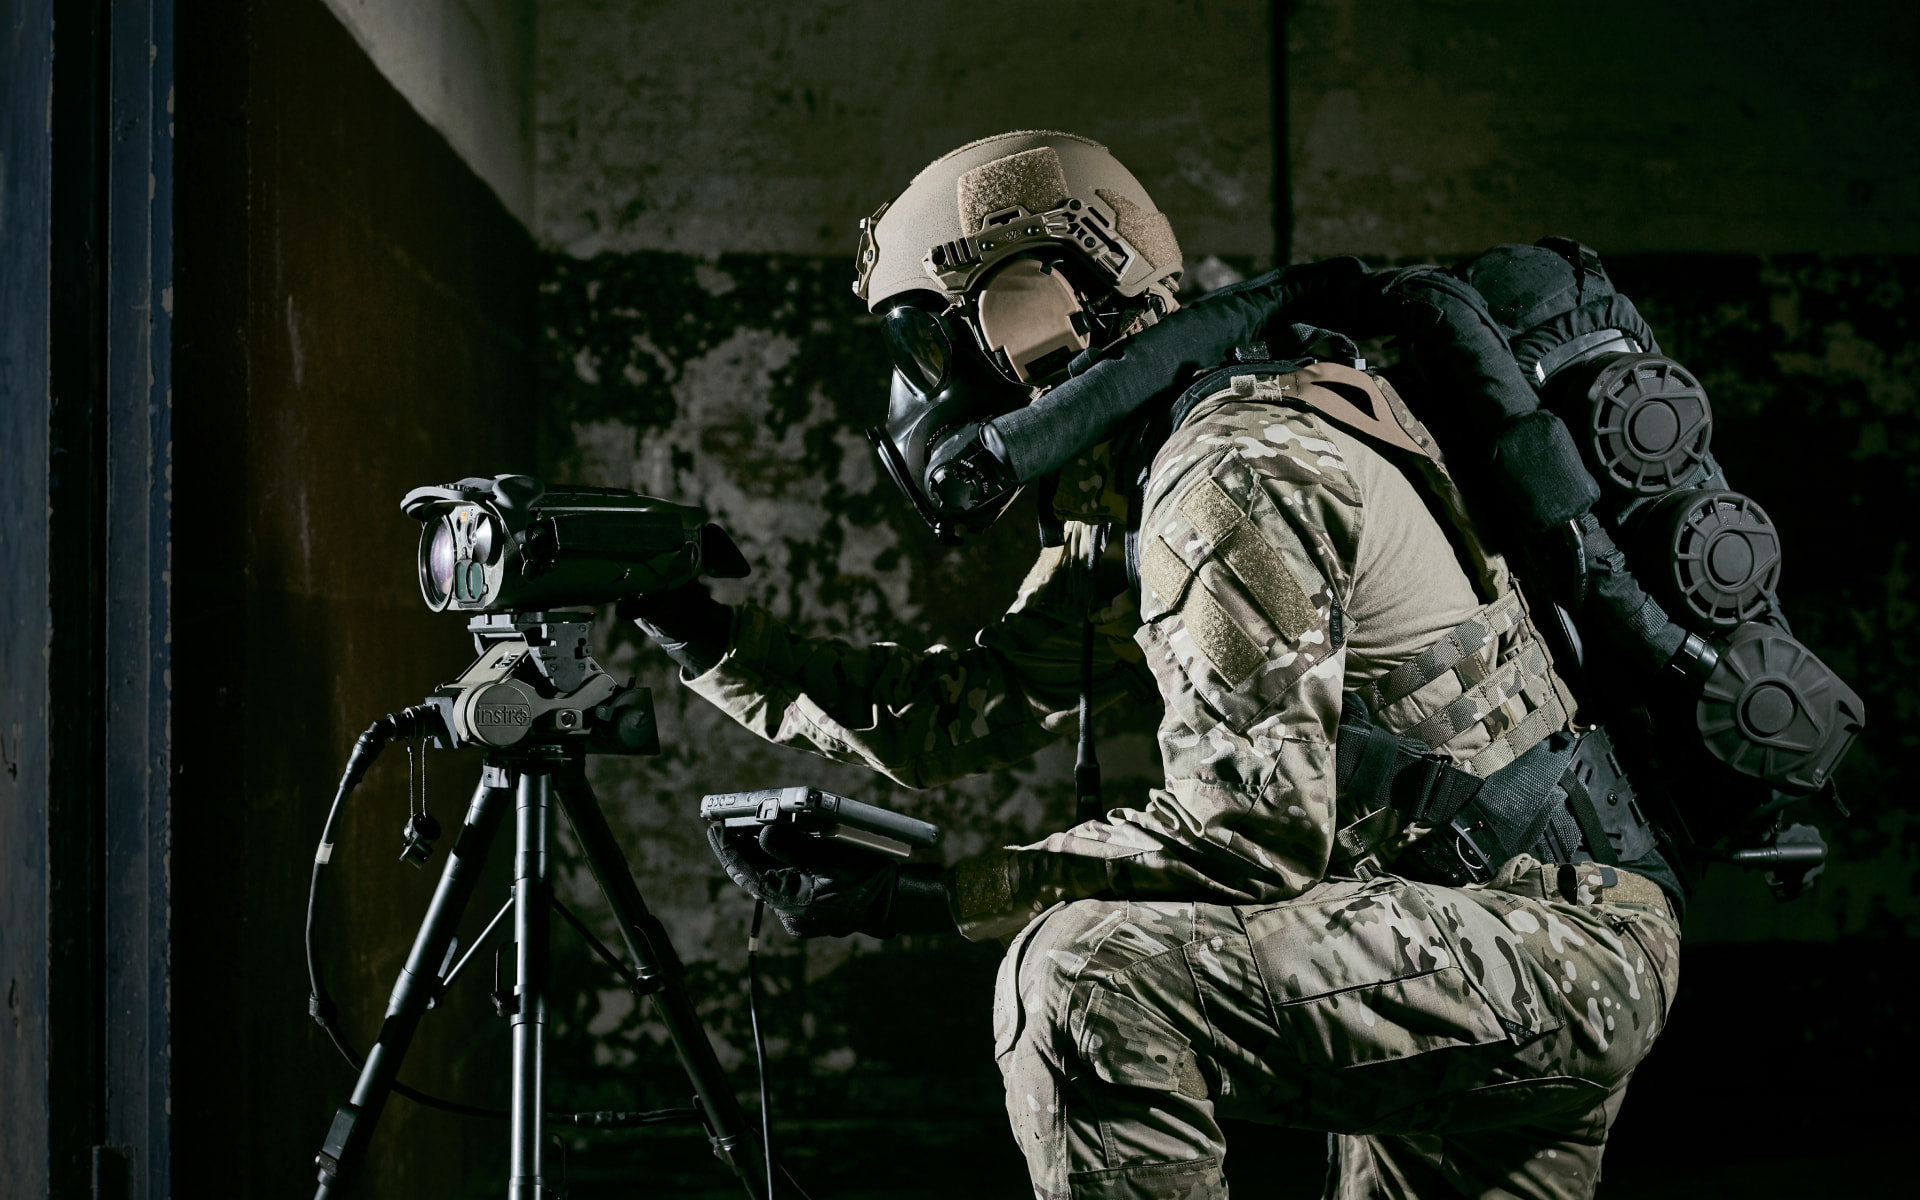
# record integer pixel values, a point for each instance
(760, 1055)
(410, 722)
(759, 1038)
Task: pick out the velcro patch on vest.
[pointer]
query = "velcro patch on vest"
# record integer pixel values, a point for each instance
(1164, 574)
(1242, 627)
(1255, 563)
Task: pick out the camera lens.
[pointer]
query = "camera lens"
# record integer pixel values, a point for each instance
(436, 564)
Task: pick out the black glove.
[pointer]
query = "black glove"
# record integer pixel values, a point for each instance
(688, 623)
(840, 891)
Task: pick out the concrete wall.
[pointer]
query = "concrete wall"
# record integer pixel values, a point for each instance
(699, 171)
(1420, 127)
(466, 66)
(749, 127)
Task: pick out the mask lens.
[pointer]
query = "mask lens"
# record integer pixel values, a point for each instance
(919, 348)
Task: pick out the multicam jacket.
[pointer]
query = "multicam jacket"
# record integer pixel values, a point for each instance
(1282, 560)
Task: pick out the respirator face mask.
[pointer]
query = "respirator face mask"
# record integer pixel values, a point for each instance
(958, 366)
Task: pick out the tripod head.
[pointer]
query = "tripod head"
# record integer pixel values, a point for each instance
(536, 683)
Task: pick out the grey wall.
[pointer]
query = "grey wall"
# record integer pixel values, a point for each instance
(466, 66)
(746, 127)
(1749, 170)
(1420, 127)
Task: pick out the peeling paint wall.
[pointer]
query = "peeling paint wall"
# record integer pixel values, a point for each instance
(701, 172)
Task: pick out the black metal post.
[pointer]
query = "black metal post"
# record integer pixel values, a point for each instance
(532, 913)
(664, 978)
(414, 991)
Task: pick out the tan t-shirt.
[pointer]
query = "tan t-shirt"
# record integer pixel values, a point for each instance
(1408, 586)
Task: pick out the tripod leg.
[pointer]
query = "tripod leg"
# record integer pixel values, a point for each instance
(532, 913)
(661, 971)
(414, 990)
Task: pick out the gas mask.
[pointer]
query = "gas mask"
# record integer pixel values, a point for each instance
(956, 366)
(1001, 264)
(943, 389)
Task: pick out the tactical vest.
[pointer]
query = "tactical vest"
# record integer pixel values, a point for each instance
(1467, 753)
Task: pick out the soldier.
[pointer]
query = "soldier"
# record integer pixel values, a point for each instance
(1248, 941)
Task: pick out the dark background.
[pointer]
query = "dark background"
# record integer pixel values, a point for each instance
(268, 265)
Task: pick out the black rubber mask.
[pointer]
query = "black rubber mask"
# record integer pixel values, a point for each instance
(944, 389)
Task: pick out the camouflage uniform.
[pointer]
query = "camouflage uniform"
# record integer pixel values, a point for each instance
(1475, 1041)
(1231, 946)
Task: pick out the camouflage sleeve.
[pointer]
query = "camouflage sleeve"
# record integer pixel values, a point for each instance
(1250, 531)
(923, 717)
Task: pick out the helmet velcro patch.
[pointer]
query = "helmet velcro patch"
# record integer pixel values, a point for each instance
(1148, 232)
(1032, 179)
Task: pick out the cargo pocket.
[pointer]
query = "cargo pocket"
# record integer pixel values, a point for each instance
(1370, 977)
(1498, 963)
(1398, 1018)
(1128, 1044)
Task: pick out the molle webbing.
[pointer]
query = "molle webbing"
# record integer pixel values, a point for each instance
(1506, 680)
(1461, 649)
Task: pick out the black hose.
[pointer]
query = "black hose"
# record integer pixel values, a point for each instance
(1038, 439)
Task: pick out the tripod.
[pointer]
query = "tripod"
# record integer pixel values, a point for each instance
(541, 703)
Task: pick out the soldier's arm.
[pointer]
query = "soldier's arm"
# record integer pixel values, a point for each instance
(921, 717)
(1250, 533)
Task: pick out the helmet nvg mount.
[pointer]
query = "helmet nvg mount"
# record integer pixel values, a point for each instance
(1000, 264)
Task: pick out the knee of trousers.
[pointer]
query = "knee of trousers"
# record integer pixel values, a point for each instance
(1032, 1001)
(1054, 1014)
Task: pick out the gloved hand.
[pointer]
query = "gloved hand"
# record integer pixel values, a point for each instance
(839, 891)
(688, 623)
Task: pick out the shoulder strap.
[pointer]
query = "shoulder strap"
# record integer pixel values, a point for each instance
(1367, 405)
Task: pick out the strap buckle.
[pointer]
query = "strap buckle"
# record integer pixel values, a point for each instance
(1475, 866)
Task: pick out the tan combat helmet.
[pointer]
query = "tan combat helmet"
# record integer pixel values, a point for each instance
(1023, 196)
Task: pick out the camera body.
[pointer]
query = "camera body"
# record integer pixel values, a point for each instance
(514, 544)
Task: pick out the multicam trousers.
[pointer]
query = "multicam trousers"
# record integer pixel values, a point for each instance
(1473, 1041)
